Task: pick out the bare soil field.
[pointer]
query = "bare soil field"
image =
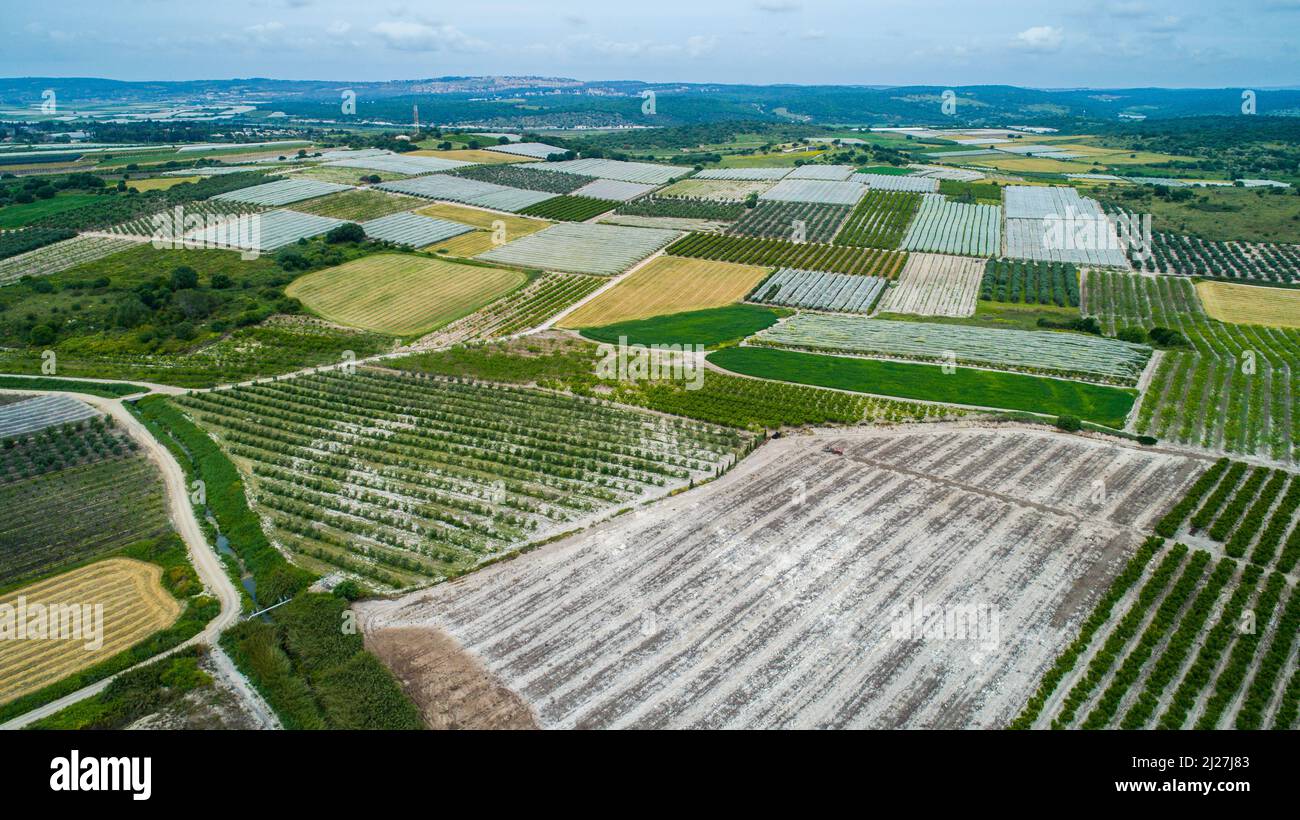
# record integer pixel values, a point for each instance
(451, 687)
(782, 594)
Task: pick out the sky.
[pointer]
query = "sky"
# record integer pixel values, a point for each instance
(1079, 43)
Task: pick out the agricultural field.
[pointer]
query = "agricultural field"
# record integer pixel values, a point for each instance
(934, 285)
(468, 191)
(1249, 304)
(135, 605)
(795, 221)
(826, 192)
(1193, 256)
(267, 231)
(780, 253)
(565, 208)
(524, 176)
(582, 248)
(643, 172)
(1164, 648)
(818, 290)
(410, 491)
(544, 297)
(401, 295)
(801, 648)
(613, 189)
(515, 226)
(723, 190)
(342, 176)
(167, 225)
(683, 208)
(61, 256)
(399, 163)
(29, 414)
(282, 192)
(1030, 283)
(1105, 405)
(750, 174)
(880, 220)
(710, 327)
(668, 284)
(897, 182)
(1229, 389)
(358, 206)
(944, 226)
(833, 173)
(1071, 355)
(413, 230)
(474, 155)
(71, 493)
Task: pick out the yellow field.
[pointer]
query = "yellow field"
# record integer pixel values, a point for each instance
(472, 155)
(134, 606)
(1250, 304)
(516, 226)
(158, 183)
(466, 246)
(399, 294)
(668, 284)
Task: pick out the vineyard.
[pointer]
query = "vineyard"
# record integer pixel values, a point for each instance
(523, 176)
(13, 243)
(777, 253)
(71, 493)
(683, 208)
(269, 231)
(529, 307)
(1031, 283)
(569, 208)
(818, 290)
(400, 479)
(613, 189)
(1194, 256)
(944, 226)
(1073, 355)
(1165, 649)
(146, 227)
(880, 220)
(796, 221)
(933, 285)
(1230, 389)
(668, 284)
(60, 256)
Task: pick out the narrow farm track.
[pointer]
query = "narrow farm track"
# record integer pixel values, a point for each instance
(204, 558)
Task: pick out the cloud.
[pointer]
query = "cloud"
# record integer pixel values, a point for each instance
(813, 34)
(410, 36)
(777, 6)
(1040, 38)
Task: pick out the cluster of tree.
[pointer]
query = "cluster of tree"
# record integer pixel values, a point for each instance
(1158, 336)
(21, 191)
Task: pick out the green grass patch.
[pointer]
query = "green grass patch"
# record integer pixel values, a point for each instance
(711, 328)
(984, 388)
(17, 216)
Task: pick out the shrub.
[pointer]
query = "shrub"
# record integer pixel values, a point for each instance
(1070, 424)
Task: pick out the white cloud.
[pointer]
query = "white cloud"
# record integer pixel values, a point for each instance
(410, 36)
(813, 34)
(1041, 38)
(777, 6)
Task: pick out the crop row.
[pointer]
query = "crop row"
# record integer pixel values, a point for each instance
(680, 207)
(1035, 283)
(796, 221)
(880, 220)
(782, 254)
(541, 299)
(818, 290)
(566, 208)
(1256, 517)
(1168, 526)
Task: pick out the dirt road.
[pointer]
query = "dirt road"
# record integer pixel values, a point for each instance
(206, 563)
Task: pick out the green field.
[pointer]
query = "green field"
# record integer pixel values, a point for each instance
(1227, 214)
(110, 390)
(982, 388)
(703, 327)
(358, 206)
(17, 216)
(402, 294)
